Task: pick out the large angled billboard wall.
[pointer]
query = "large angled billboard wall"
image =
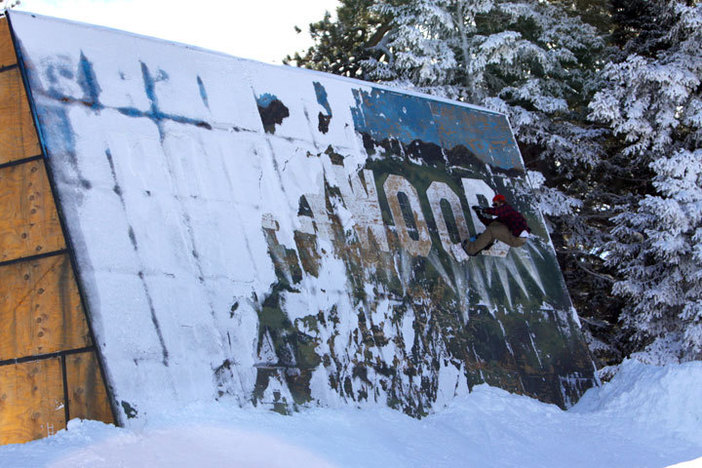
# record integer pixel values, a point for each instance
(283, 237)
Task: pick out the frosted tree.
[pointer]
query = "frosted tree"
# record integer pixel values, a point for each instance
(415, 52)
(7, 4)
(342, 44)
(652, 100)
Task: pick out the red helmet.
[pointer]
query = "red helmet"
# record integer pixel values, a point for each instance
(499, 198)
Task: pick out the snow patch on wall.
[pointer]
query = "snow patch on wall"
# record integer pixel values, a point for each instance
(268, 235)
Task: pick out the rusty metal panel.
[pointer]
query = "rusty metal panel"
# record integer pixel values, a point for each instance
(7, 50)
(31, 401)
(29, 223)
(87, 397)
(18, 137)
(40, 309)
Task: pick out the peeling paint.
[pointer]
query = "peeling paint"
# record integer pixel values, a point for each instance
(440, 292)
(384, 114)
(304, 261)
(272, 111)
(324, 118)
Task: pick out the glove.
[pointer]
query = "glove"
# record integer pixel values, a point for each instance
(477, 208)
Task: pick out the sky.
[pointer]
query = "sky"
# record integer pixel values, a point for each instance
(262, 30)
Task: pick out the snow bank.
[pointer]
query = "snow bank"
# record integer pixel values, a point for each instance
(645, 417)
(666, 399)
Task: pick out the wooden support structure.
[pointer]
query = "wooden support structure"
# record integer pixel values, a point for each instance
(49, 366)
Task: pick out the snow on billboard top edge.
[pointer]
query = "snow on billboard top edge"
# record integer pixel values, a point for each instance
(283, 237)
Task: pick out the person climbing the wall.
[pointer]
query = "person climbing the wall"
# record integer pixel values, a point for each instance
(508, 226)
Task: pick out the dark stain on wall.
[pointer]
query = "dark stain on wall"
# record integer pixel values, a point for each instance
(272, 111)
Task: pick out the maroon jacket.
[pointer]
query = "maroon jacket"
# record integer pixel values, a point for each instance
(510, 217)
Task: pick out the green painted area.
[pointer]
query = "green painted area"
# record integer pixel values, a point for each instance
(506, 321)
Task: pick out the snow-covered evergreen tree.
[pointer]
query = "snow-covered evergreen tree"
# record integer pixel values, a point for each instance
(7, 4)
(653, 101)
(416, 52)
(342, 43)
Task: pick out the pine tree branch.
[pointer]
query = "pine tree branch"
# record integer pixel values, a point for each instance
(607, 278)
(378, 36)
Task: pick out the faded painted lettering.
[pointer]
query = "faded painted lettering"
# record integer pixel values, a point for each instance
(394, 186)
(436, 192)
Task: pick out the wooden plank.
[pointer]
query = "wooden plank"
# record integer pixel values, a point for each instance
(18, 137)
(29, 223)
(31, 401)
(7, 50)
(40, 309)
(87, 395)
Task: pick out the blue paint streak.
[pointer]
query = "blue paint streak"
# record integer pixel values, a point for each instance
(265, 99)
(61, 138)
(187, 120)
(63, 135)
(154, 113)
(384, 114)
(66, 73)
(203, 92)
(88, 83)
(150, 90)
(322, 97)
(162, 75)
(131, 112)
(53, 72)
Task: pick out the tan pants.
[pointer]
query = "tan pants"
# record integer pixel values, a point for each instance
(494, 231)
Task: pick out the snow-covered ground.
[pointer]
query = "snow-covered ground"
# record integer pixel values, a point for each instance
(646, 416)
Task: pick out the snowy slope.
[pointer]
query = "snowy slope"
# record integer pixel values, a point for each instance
(646, 417)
